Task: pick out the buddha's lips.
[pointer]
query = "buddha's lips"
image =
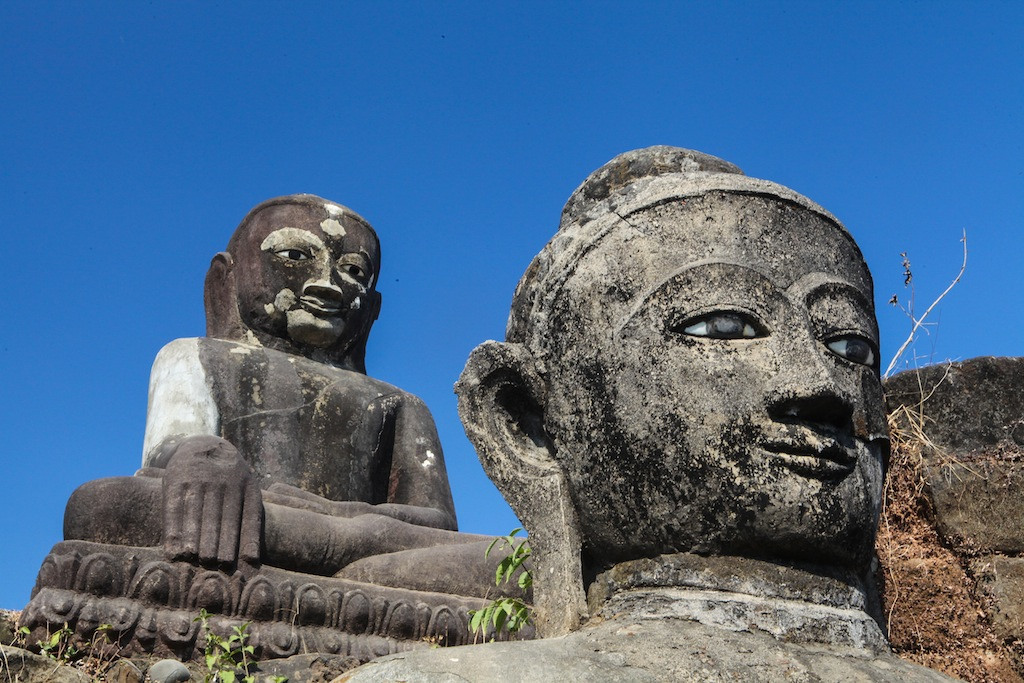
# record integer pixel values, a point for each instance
(817, 456)
(320, 307)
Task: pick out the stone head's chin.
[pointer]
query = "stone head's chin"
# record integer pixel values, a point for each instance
(306, 328)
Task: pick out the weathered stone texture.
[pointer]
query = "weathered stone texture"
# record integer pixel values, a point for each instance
(1000, 582)
(972, 412)
(21, 666)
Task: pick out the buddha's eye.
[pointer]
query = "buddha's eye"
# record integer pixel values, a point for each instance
(293, 254)
(354, 266)
(721, 325)
(853, 348)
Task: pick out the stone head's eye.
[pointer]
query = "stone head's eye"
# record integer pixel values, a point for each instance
(293, 254)
(721, 325)
(853, 348)
(354, 270)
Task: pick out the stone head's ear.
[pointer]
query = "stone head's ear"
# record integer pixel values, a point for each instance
(501, 403)
(220, 298)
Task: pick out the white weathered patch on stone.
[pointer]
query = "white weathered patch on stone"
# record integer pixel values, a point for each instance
(285, 300)
(428, 462)
(290, 238)
(333, 209)
(356, 303)
(241, 350)
(332, 227)
(180, 400)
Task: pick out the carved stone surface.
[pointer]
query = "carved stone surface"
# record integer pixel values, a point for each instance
(151, 603)
(280, 484)
(687, 416)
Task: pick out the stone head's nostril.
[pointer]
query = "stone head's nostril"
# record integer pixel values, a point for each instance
(826, 409)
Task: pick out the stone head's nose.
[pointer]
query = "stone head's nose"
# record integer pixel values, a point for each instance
(821, 408)
(326, 292)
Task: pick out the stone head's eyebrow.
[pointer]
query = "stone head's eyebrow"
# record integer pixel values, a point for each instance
(284, 238)
(664, 282)
(813, 284)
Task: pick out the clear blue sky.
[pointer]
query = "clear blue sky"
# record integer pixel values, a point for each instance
(134, 136)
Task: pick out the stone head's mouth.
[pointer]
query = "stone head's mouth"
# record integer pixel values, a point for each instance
(812, 454)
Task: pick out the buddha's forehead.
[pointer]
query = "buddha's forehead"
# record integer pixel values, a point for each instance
(329, 223)
(781, 241)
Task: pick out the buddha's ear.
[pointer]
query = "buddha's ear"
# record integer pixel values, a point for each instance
(220, 298)
(501, 403)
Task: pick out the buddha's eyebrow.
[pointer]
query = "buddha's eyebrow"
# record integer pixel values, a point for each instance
(812, 284)
(283, 238)
(664, 282)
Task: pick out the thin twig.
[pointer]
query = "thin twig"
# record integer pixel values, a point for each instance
(920, 321)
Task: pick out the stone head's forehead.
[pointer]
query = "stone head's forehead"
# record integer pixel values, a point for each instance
(633, 254)
(326, 221)
(780, 240)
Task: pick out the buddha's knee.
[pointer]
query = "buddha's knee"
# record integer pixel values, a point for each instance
(118, 511)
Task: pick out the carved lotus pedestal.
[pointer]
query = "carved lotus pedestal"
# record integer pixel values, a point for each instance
(152, 604)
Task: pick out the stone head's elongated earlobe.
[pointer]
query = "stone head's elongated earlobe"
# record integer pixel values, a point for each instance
(220, 299)
(501, 403)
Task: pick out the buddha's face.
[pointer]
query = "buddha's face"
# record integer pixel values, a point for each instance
(716, 388)
(306, 274)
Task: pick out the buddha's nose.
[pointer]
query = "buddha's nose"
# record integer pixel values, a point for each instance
(326, 292)
(811, 391)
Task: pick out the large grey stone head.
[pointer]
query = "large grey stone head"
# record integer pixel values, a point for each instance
(298, 275)
(690, 365)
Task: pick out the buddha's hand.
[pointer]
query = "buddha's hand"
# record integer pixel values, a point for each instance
(212, 508)
(284, 494)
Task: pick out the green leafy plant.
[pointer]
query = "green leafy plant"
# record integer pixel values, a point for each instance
(511, 614)
(58, 645)
(226, 658)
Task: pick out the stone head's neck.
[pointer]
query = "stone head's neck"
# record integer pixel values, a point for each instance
(742, 594)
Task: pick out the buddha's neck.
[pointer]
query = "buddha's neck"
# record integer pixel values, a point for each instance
(740, 594)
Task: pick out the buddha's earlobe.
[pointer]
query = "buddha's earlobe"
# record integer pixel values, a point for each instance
(220, 299)
(357, 353)
(501, 403)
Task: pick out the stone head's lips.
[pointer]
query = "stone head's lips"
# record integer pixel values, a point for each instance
(320, 307)
(812, 455)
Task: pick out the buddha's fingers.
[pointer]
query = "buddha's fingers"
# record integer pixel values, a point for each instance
(215, 516)
(251, 531)
(173, 513)
(193, 517)
(228, 523)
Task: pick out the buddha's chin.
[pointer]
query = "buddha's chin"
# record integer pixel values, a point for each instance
(306, 328)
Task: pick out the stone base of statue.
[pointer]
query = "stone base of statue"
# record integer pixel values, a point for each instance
(151, 606)
(689, 618)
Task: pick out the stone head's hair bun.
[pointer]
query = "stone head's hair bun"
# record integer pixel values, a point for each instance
(631, 166)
